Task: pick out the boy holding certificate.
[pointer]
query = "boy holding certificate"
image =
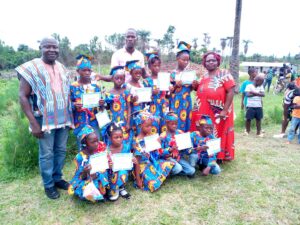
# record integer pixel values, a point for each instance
(180, 99)
(86, 184)
(82, 113)
(151, 170)
(207, 158)
(170, 148)
(159, 104)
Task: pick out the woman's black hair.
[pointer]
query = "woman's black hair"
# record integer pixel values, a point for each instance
(153, 60)
(183, 52)
(291, 86)
(113, 127)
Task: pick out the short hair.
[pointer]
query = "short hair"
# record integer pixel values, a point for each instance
(251, 70)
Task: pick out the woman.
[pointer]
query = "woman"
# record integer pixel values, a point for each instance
(214, 97)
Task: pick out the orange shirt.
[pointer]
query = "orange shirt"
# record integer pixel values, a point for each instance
(296, 112)
(56, 82)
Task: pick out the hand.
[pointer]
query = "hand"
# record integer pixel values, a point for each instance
(87, 169)
(179, 83)
(171, 89)
(78, 105)
(36, 130)
(202, 148)
(101, 102)
(134, 160)
(94, 176)
(127, 127)
(155, 91)
(195, 85)
(135, 99)
(173, 148)
(110, 163)
(222, 115)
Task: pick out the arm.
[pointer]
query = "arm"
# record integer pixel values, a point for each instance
(242, 101)
(128, 114)
(106, 78)
(228, 102)
(137, 173)
(24, 95)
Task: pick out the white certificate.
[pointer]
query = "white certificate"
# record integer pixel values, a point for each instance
(98, 162)
(90, 100)
(163, 80)
(102, 118)
(144, 94)
(122, 161)
(214, 146)
(187, 77)
(152, 143)
(183, 141)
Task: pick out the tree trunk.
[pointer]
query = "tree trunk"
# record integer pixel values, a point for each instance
(234, 60)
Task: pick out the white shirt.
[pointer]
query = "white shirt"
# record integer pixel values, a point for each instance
(254, 101)
(120, 57)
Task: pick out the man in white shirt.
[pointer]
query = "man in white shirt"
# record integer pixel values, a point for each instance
(128, 53)
(254, 109)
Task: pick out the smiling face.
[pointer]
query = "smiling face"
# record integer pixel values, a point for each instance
(119, 80)
(92, 142)
(211, 63)
(130, 39)
(183, 60)
(205, 129)
(146, 127)
(117, 138)
(50, 50)
(172, 126)
(136, 74)
(155, 67)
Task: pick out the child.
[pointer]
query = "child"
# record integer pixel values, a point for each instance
(82, 178)
(170, 150)
(84, 116)
(150, 171)
(160, 104)
(117, 180)
(180, 100)
(207, 163)
(252, 74)
(295, 122)
(255, 92)
(119, 100)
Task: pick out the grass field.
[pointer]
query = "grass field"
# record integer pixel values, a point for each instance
(262, 186)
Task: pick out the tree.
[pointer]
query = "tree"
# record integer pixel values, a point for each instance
(206, 40)
(117, 40)
(234, 60)
(95, 48)
(143, 40)
(23, 48)
(246, 43)
(82, 49)
(195, 44)
(65, 52)
(168, 41)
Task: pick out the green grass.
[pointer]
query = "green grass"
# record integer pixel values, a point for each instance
(262, 186)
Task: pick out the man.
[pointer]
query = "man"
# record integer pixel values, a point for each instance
(44, 98)
(128, 53)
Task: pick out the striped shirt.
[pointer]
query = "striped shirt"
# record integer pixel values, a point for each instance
(254, 101)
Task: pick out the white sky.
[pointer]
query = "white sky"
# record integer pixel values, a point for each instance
(272, 25)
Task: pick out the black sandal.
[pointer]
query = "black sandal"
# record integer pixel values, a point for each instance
(124, 193)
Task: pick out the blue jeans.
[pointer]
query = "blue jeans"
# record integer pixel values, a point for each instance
(294, 123)
(182, 167)
(52, 154)
(193, 159)
(97, 132)
(206, 161)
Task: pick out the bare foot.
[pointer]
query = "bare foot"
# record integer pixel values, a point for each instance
(206, 171)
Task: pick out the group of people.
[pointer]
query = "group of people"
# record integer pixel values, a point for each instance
(252, 91)
(53, 105)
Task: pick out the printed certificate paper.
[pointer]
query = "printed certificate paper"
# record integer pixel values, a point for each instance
(163, 80)
(102, 118)
(152, 142)
(99, 162)
(183, 141)
(90, 100)
(144, 94)
(122, 161)
(214, 146)
(187, 77)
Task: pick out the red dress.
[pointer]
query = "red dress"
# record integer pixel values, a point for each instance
(210, 101)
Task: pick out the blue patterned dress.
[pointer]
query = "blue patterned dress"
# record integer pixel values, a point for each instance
(181, 104)
(158, 106)
(153, 169)
(78, 183)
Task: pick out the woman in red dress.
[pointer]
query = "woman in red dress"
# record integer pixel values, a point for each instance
(214, 97)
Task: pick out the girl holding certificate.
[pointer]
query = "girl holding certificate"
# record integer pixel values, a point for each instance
(170, 149)
(151, 171)
(119, 100)
(160, 103)
(91, 187)
(84, 115)
(117, 178)
(180, 99)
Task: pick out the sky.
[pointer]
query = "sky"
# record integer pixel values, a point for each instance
(271, 25)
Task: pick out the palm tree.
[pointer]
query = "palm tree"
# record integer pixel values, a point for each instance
(246, 43)
(223, 45)
(143, 39)
(195, 43)
(234, 60)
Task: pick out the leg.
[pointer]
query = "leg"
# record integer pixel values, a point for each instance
(187, 169)
(60, 149)
(215, 169)
(177, 167)
(269, 85)
(258, 126)
(285, 121)
(291, 133)
(193, 159)
(78, 144)
(248, 125)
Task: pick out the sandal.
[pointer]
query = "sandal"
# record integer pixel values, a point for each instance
(113, 196)
(124, 193)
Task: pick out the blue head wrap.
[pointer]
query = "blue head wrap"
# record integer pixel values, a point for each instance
(85, 131)
(133, 64)
(205, 119)
(83, 61)
(117, 70)
(183, 47)
(171, 116)
(151, 55)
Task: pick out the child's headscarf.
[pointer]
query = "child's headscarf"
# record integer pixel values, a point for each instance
(183, 47)
(117, 70)
(83, 61)
(133, 64)
(171, 116)
(142, 117)
(84, 132)
(205, 119)
(151, 55)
